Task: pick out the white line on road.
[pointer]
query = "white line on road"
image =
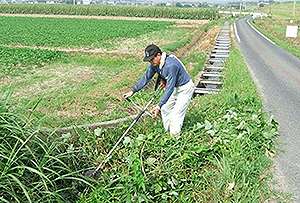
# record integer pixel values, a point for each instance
(236, 33)
(260, 33)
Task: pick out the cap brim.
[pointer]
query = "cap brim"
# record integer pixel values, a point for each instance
(148, 59)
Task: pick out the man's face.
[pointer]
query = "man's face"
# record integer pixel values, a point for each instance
(156, 60)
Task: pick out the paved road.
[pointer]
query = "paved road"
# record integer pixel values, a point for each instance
(277, 74)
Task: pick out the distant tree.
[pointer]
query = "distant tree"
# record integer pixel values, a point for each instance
(178, 4)
(162, 4)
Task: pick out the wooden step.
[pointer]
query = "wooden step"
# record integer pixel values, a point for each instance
(216, 60)
(219, 55)
(206, 91)
(209, 74)
(222, 42)
(220, 51)
(221, 47)
(214, 68)
(211, 82)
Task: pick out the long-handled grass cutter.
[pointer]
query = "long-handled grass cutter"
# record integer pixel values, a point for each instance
(94, 173)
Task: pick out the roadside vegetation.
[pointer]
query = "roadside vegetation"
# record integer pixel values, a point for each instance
(33, 167)
(274, 27)
(223, 154)
(282, 10)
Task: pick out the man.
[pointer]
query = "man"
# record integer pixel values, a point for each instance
(179, 87)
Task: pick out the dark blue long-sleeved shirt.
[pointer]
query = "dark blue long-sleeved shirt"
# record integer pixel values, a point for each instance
(173, 72)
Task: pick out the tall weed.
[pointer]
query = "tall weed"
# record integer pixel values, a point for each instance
(35, 168)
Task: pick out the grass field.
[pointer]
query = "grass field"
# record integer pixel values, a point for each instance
(223, 154)
(74, 87)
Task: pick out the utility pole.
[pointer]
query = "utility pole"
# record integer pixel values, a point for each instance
(294, 8)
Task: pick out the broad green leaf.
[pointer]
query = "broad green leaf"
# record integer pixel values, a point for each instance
(207, 125)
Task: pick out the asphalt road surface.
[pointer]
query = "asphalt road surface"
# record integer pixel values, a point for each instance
(277, 74)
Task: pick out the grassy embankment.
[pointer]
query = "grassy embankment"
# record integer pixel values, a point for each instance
(50, 168)
(222, 155)
(275, 27)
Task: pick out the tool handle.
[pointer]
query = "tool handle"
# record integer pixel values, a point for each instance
(129, 100)
(127, 130)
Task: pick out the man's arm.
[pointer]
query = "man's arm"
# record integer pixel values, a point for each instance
(141, 83)
(144, 80)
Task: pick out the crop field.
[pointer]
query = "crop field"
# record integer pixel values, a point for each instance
(222, 155)
(130, 11)
(75, 86)
(62, 32)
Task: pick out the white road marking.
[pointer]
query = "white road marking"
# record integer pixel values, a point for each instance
(236, 33)
(260, 33)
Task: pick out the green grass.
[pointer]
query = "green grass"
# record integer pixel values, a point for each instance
(77, 94)
(224, 140)
(64, 32)
(276, 31)
(196, 60)
(226, 137)
(35, 168)
(15, 61)
(77, 88)
(282, 10)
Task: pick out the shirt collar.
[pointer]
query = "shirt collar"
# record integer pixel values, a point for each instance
(162, 60)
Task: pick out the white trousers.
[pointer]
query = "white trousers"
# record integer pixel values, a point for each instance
(174, 110)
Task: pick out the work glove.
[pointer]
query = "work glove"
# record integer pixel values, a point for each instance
(128, 94)
(155, 112)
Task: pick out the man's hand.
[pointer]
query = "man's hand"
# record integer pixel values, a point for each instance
(155, 111)
(128, 94)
